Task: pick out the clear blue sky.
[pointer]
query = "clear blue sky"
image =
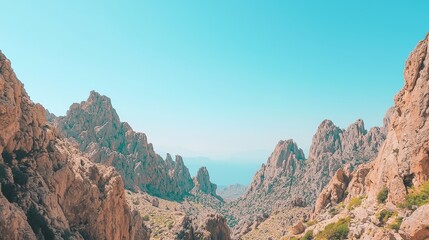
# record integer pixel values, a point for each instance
(220, 79)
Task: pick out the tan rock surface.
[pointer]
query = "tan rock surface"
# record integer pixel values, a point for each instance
(47, 184)
(416, 227)
(402, 163)
(289, 180)
(96, 127)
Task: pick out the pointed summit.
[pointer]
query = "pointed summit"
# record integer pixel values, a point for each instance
(96, 127)
(202, 182)
(284, 153)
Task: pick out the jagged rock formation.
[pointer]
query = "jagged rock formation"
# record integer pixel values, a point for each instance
(231, 192)
(203, 184)
(332, 148)
(209, 226)
(48, 189)
(289, 180)
(402, 163)
(96, 127)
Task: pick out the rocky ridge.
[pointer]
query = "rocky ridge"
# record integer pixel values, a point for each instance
(95, 126)
(48, 189)
(290, 181)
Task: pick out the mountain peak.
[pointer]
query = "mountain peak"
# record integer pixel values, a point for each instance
(202, 182)
(285, 151)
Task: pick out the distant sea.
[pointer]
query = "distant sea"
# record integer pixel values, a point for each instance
(224, 172)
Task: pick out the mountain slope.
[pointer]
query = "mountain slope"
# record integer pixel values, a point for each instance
(48, 189)
(96, 127)
(397, 180)
(290, 181)
(232, 192)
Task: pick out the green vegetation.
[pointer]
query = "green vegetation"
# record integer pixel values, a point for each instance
(382, 195)
(384, 215)
(308, 235)
(417, 197)
(396, 224)
(169, 225)
(145, 218)
(333, 211)
(311, 223)
(355, 202)
(335, 231)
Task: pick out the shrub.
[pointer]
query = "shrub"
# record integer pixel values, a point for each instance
(355, 202)
(308, 235)
(382, 195)
(396, 224)
(145, 218)
(311, 223)
(170, 225)
(417, 197)
(384, 215)
(335, 231)
(333, 211)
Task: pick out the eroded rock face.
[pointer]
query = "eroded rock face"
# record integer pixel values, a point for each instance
(417, 225)
(208, 226)
(334, 193)
(333, 148)
(403, 160)
(48, 189)
(202, 182)
(96, 127)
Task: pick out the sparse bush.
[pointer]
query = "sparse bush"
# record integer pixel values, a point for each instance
(417, 197)
(335, 231)
(145, 218)
(169, 225)
(396, 225)
(355, 202)
(308, 235)
(384, 215)
(333, 211)
(382, 195)
(311, 223)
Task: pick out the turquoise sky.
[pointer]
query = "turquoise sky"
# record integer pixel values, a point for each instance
(219, 79)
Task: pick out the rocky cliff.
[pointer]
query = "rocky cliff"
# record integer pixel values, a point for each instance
(97, 129)
(397, 178)
(203, 184)
(48, 189)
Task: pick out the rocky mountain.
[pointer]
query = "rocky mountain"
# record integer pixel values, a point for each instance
(396, 182)
(289, 180)
(231, 192)
(95, 126)
(203, 184)
(49, 190)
